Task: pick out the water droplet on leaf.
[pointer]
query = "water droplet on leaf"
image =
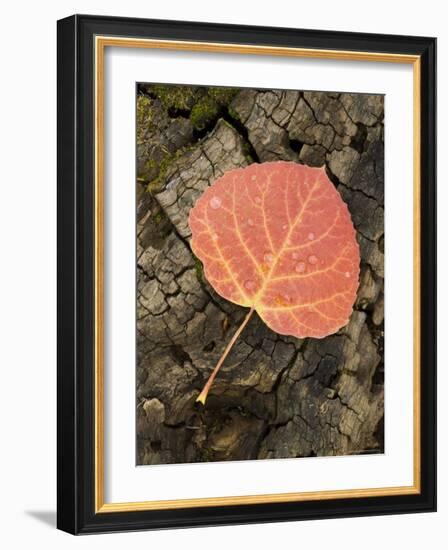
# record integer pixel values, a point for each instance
(312, 259)
(249, 285)
(311, 236)
(300, 267)
(268, 258)
(215, 203)
(250, 222)
(283, 300)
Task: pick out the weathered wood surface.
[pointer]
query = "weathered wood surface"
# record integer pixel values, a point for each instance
(275, 396)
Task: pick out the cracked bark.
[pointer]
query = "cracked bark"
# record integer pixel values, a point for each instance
(275, 396)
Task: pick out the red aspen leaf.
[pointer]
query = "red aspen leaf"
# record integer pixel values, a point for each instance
(278, 238)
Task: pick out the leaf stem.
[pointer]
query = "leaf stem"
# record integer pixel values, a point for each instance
(203, 395)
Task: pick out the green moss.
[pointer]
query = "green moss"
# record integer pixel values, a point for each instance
(150, 165)
(162, 222)
(157, 183)
(222, 96)
(233, 113)
(144, 116)
(204, 112)
(187, 97)
(199, 269)
(175, 97)
(158, 227)
(207, 108)
(204, 106)
(247, 153)
(159, 218)
(206, 455)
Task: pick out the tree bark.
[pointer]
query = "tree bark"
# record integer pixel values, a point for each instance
(275, 396)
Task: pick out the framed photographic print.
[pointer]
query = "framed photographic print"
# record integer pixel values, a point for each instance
(246, 271)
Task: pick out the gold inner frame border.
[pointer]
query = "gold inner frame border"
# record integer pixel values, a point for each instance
(101, 42)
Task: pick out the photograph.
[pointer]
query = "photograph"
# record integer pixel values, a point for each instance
(230, 216)
(259, 272)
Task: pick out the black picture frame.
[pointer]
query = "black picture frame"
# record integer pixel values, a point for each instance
(76, 301)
